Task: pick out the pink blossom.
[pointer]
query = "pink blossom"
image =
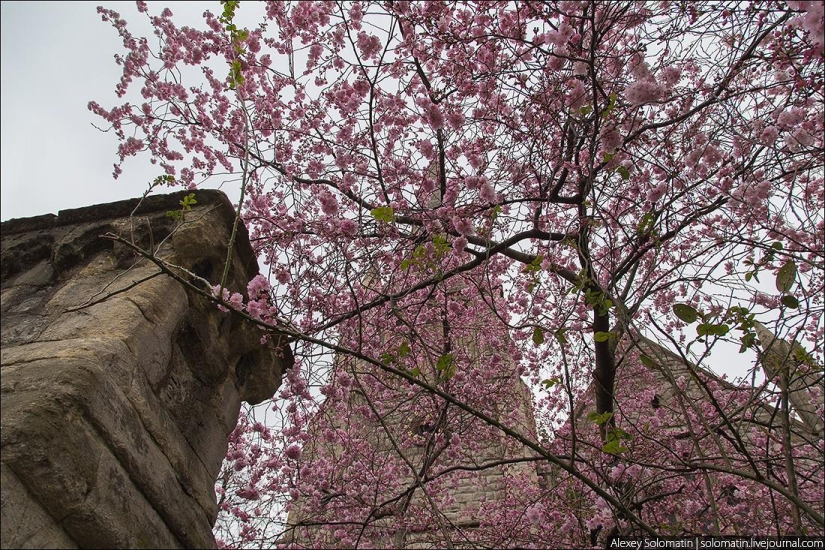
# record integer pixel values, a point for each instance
(348, 227)
(293, 452)
(657, 192)
(282, 276)
(356, 15)
(463, 226)
(455, 119)
(643, 91)
(329, 204)
(426, 148)
(486, 192)
(762, 190)
(534, 514)
(800, 137)
(791, 117)
(315, 168)
(576, 94)
(639, 69)
(257, 285)
(315, 52)
(611, 140)
(670, 76)
(769, 135)
(222, 293)
(812, 20)
(434, 117)
(249, 493)
(472, 182)
(257, 308)
(236, 301)
(693, 158)
(369, 45)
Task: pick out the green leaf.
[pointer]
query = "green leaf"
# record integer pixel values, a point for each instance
(235, 74)
(165, 178)
(559, 334)
(538, 335)
(188, 201)
(614, 447)
(445, 365)
(586, 110)
(623, 172)
(405, 264)
(550, 382)
(776, 245)
(534, 265)
(440, 244)
(645, 223)
(748, 341)
(709, 329)
(607, 110)
(387, 358)
(685, 312)
(618, 433)
(648, 362)
(801, 355)
(599, 419)
(383, 214)
(174, 214)
(790, 301)
(403, 349)
(601, 336)
(415, 372)
(786, 276)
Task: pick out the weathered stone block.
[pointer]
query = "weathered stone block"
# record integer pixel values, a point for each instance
(24, 523)
(119, 387)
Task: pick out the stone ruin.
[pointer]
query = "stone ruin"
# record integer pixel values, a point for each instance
(117, 397)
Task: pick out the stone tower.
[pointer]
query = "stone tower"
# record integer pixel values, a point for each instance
(119, 386)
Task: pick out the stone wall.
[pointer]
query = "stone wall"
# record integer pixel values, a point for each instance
(117, 397)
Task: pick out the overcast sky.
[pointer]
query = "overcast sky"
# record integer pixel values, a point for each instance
(56, 57)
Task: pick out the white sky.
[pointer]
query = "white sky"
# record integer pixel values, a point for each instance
(56, 57)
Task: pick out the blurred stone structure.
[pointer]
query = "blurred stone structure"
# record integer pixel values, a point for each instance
(119, 386)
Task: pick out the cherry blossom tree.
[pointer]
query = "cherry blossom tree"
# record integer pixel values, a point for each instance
(456, 201)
